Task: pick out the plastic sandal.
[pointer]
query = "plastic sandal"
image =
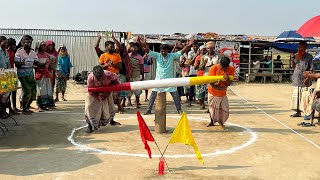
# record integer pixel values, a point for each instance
(307, 125)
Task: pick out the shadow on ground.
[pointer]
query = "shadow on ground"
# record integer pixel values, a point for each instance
(32, 162)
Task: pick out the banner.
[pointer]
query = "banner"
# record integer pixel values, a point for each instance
(231, 50)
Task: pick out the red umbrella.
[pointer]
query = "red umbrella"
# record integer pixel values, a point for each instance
(311, 28)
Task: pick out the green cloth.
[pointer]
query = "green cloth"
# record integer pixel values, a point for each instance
(61, 85)
(29, 88)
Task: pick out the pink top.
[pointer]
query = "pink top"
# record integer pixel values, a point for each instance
(136, 62)
(43, 72)
(108, 79)
(138, 57)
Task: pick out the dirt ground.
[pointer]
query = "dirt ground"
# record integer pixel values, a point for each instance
(262, 142)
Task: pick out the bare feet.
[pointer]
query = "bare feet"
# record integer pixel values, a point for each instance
(222, 126)
(211, 124)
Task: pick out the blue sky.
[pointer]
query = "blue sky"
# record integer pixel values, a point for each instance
(254, 17)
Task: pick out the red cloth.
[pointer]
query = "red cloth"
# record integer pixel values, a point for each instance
(118, 87)
(161, 167)
(11, 58)
(43, 72)
(145, 133)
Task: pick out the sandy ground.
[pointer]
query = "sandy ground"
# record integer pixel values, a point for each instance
(38, 148)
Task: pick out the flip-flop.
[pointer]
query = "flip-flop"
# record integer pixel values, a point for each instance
(307, 125)
(300, 124)
(295, 115)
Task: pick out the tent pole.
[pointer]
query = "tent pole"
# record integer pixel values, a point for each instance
(272, 62)
(249, 58)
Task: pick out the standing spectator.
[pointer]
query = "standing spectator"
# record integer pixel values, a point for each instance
(51, 50)
(111, 61)
(210, 59)
(164, 70)
(148, 61)
(178, 71)
(25, 60)
(63, 72)
(301, 63)
(193, 72)
(11, 52)
(137, 71)
(185, 70)
(43, 75)
(4, 64)
(201, 90)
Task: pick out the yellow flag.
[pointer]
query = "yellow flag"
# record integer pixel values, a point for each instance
(182, 134)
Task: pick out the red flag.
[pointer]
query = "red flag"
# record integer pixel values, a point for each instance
(145, 133)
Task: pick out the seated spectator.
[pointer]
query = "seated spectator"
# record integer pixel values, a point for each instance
(278, 63)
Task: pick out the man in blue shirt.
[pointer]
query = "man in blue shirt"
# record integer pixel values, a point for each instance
(164, 70)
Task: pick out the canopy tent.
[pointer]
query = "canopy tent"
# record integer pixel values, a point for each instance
(292, 36)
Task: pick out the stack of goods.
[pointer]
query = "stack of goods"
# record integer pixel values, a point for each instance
(8, 80)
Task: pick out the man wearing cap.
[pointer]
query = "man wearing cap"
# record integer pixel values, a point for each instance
(210, 59)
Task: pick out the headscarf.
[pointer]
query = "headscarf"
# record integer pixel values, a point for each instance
(39, 43)
(63, 53)
(202, 47)
(210, 44)
(55, 52)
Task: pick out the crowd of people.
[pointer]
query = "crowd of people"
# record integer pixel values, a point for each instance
(40, 71)
(45, 70)
(130, 62)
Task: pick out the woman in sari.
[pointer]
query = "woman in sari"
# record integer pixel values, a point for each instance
(51, 50)
(43, 75)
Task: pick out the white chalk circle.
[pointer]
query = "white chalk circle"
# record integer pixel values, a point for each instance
(253, 138)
